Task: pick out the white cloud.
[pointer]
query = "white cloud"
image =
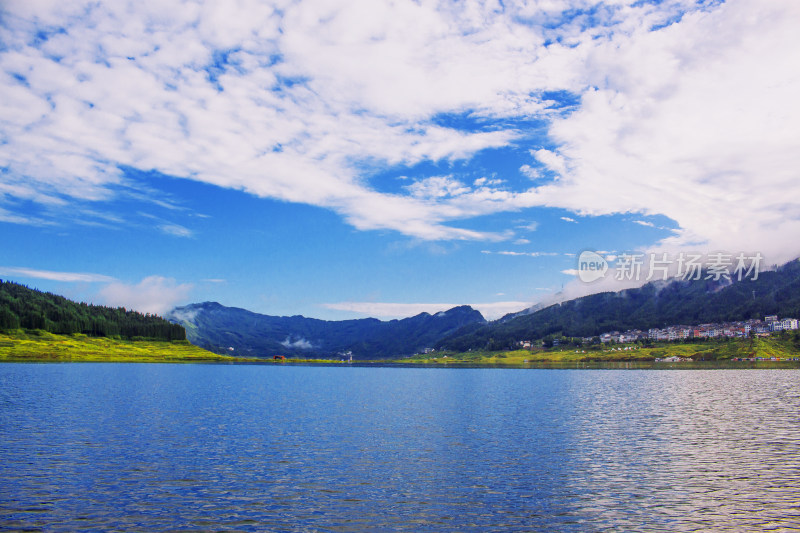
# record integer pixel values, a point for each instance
(176, 230)
(301, 343)
(520, 254)
(156, 87)
(185, 315)
(529, 171)
(532, 226)
(568, 219)
(697, 120)
(644, 223)
(530, 254)
(551, 160)
(386, 310)
(495, 310)
(154, 294)
(7, 216)
(389, 310)
(51, 275)
(437, 187)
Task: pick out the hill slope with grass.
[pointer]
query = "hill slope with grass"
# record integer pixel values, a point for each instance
(654, 305)
(25, 308)
(40, 326)
(38, 345)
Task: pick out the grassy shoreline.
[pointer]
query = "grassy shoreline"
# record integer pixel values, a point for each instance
(20, 346)
(728, 350)
(43, 346)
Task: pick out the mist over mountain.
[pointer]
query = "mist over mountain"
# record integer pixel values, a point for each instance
(655, 304)
(236, 331)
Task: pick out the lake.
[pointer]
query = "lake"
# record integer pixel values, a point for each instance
(159, 447)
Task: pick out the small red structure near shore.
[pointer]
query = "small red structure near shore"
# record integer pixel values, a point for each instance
(279, 358)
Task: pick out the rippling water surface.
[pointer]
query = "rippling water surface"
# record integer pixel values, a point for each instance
(153, 447)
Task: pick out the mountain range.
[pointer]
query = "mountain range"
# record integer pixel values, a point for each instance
(235, 331)
(654, 305)
(657, 304)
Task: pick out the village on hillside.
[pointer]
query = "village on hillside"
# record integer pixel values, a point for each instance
(738, 329)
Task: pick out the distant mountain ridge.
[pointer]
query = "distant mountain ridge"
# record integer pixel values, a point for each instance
(655, 304)
(218, 328)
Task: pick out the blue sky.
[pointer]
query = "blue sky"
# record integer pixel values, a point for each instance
(347, 159)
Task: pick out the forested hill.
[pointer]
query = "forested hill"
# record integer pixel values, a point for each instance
(654, 305)
(235, 331)
(22, 307)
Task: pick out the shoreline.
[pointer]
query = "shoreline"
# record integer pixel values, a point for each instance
(39, 346)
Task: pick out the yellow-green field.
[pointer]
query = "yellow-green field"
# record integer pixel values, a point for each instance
(43, 346)
(765, 348)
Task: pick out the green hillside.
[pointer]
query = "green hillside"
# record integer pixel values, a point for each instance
(38, 345)
(784, 346)
(654, 305)
(235, 331)
(29, 309)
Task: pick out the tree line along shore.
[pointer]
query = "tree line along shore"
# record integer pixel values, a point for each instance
(28, 309)
(45, 327)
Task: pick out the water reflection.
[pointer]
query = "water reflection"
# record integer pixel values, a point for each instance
(704, 450)
(200, 447)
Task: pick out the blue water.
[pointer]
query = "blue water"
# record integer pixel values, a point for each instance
(156, 447)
